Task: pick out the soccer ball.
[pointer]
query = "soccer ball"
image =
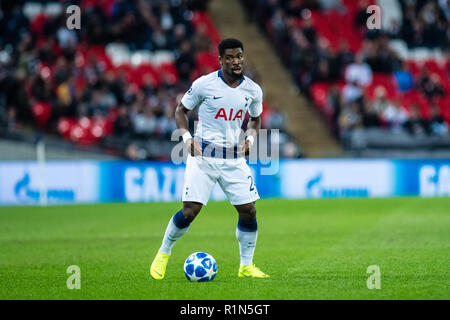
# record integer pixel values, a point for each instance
(200, 267)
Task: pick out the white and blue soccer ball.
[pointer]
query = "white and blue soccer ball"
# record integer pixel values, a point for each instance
(200, 266)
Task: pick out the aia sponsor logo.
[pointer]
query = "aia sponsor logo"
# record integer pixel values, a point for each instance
(231, 116)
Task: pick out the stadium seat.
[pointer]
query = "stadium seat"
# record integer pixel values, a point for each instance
(319, 92)
(65, 126)
(170, 70)
(106, 5)
(137, 74)
(98, 128)
(32, 9)
(386, 81)
(265, 115)
(391, 10)
(206, 62)
(100, 54)
(118, 53)
(42, 112)
(53, 9)
(414, 97)
(37, 24)
(140, 57)
(444, 105)
(400, 47)
(440, 69)
(336, 27)
(162, 57)
(420, 54)
(202, 18)
(88, 131)
(414, 67)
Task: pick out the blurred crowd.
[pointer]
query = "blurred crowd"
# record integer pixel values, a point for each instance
(353, 73)
(44, 63)
(51, 76)
(49, 72)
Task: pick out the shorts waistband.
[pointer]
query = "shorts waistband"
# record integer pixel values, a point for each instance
(211, 150)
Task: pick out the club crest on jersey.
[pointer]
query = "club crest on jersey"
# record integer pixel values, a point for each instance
(231, 116)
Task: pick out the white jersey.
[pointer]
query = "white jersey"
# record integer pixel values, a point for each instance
(222, 108)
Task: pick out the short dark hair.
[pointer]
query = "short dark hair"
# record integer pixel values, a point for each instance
(229, 43)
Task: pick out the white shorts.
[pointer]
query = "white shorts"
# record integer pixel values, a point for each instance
(233, 175)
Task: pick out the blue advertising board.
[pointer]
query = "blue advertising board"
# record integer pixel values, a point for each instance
(425, 178)
(62, 182)
(59, 182)
(162, 181)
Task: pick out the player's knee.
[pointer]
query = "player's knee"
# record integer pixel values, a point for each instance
(248, 211)
(191, 210)
(189, 213)
(252, 211)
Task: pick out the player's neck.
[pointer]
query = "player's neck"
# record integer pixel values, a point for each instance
(231, 81)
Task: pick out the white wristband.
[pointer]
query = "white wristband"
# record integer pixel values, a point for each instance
(186, 136)
(250, 139)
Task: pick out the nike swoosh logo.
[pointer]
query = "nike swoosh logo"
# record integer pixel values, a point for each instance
(159, 274)
(215, 98)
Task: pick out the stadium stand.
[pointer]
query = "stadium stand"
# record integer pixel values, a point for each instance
(114, 83)
(385, 89)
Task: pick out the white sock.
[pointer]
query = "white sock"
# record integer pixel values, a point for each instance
(173, 233)
(247, 244)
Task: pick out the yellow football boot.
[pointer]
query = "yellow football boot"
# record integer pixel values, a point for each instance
(158, 268)
(251, 271)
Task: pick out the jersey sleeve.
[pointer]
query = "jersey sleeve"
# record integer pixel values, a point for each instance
(194, 96)
(256, 107)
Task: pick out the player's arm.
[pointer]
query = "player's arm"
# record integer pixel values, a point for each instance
(182, 122)
(253, 126)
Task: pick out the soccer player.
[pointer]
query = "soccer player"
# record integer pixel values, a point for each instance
(223, 98)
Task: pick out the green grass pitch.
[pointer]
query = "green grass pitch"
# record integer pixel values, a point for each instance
(313, 249)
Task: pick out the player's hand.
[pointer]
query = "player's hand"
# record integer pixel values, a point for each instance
(244, 148)
(194, 147)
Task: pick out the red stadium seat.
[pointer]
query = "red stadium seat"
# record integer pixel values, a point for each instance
(336, 27)
(170, 70)
(105, 5)
(65, 126)
(433, 66)
(42, 112)
(110, 118)
(414, 67)
(444, 105)
(202, 18)
(98, 128)
(386, 81)
(99, 53)
(85, 53)
(319, 92)
(37, 25)
(265, 114)
(77, 133)
(206, 62)
(207, 59)
(414, 97)
(88, 131)
(137, 74)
